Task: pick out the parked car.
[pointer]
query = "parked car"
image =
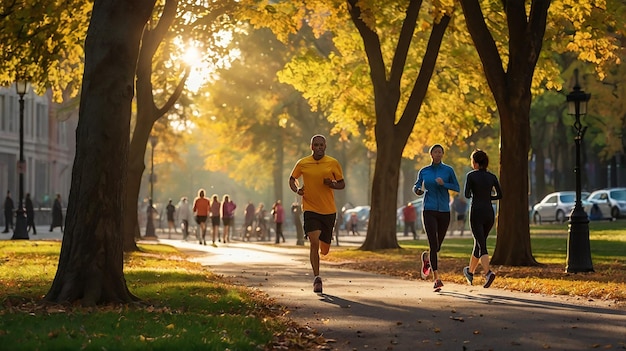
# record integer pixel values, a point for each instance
(611, 201)
(418, 205)
(362, 214)
(556, 207)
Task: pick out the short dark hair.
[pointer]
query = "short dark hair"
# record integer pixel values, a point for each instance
(434, 147)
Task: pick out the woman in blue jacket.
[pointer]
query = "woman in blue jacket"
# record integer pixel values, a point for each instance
(434, 181)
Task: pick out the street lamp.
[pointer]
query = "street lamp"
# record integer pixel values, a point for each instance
(21, 86)
(150, 224)
(578, 246)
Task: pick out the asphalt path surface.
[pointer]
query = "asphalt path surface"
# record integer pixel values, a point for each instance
(365, 311)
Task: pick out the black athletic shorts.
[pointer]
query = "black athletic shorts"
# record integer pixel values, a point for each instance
(215, 221)
(200, 219)
(227, 220)
(315, 221)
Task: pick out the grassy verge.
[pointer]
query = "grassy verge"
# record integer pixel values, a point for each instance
(188, 308)
(549, 245)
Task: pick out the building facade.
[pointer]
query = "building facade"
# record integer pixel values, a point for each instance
(49, 148)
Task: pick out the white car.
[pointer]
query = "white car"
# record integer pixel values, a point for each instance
(556, 207)
(611, 201)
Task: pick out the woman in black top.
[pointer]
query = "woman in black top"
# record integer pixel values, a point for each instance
(480, 185)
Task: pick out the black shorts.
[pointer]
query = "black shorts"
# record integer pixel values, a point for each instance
(315, 221)
(215, 221)
(200, 219)
(227, 220)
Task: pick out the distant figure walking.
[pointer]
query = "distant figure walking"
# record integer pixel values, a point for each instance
(201, 209)
(57, 214)
(261, 223)
(171, 211)
(248, 222)
(184, 216)
(228, 216)
(354, 223)
(214, 213)
(279, 217)
(8, 212)
(410, 216)
(30, 214)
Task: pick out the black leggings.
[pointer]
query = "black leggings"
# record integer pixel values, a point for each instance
(436, 225)
(481, 222)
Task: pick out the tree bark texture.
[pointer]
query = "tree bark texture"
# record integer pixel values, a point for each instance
(381, 231)
(90, 267)
(513, 246)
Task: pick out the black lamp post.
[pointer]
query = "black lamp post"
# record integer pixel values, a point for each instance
(150, 232)
(21, 86)
(578, 246)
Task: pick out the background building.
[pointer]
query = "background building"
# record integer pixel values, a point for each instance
(49, 148)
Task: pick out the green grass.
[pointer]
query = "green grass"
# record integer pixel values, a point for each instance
(188, 308)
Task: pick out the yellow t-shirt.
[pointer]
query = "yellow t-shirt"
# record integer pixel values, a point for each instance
(318, 197)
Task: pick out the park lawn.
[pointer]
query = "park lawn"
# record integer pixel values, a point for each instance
(549, 246)
(184, 307)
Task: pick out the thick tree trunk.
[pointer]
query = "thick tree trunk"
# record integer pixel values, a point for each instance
(91, 261)
(381, 232)
(513, 240)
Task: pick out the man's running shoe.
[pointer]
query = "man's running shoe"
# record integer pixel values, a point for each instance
(317, 285)
(468, 276)
(438, 285)
(425, 271)
(489, 279)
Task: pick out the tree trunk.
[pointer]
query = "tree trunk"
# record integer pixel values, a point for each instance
(278, 166)
(391, 137)
(136, 167)
(91, 261)
(147, 114)
(381, 232)
(513, 239)
(540, 175)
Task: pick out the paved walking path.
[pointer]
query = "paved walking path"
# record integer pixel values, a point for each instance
(365, 311)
